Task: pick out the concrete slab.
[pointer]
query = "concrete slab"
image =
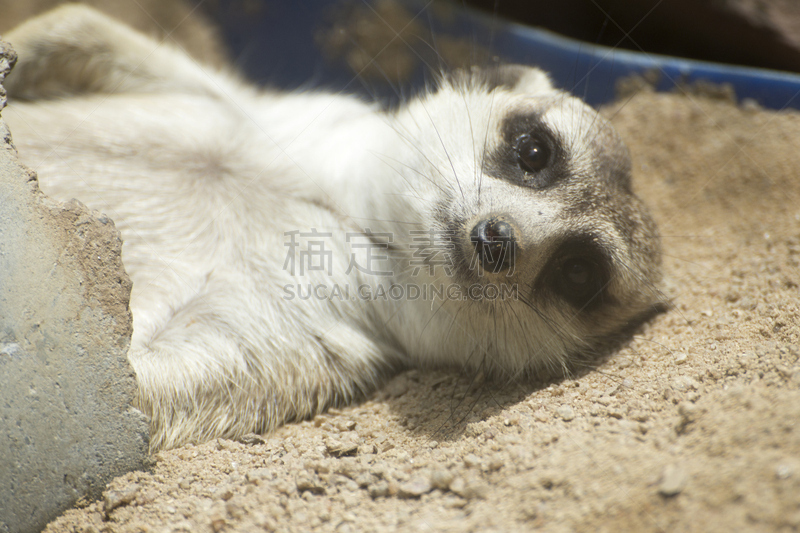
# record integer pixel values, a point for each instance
(67, 425)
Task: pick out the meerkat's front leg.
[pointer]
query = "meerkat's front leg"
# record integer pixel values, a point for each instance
(76, 49)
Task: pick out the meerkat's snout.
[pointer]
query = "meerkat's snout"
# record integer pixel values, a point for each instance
(576, 270)
(495, 244)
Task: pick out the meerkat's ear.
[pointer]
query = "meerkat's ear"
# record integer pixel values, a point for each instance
(518, 79)
(522, 79)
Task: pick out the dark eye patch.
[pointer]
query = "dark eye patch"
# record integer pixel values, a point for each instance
(579, 272)
(531, 154)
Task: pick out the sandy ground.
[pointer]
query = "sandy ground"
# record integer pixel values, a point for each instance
(694, 425)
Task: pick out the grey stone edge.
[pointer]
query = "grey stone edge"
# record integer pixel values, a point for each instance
(67, 424)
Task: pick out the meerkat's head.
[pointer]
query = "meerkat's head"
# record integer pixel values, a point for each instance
(532, 190)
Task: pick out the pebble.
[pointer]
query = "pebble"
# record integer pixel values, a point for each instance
(604, 400)
(469, 489)
(496, 463)
(307, 481)
(348, 468)
(341, 448)
(223, 493)
(454, 502)
(750, 105)
(624, 362)
(689, 413)
(471, 461)
(116, 498)
(367, 449)
(457, 485)
(226, 444)
(345, 425)
(259, 475)
(235, 508)
(365, 479)
(415, 488)
(783, 471)
(251, 439)
(565, 412)
(379, 490)
(217, 524)
(441, 479)
(673, 480)
(680, 358)
(684, 383)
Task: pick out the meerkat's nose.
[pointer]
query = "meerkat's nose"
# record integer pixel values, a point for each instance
(494, 243)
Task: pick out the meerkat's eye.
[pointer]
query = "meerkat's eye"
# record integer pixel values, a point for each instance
(577, 272)
(581, 282)
(533, 152)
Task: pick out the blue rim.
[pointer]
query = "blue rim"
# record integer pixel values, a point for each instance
(278, 48)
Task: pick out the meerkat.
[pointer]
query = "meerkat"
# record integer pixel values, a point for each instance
(291, 250)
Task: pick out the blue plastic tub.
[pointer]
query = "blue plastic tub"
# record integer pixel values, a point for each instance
(277, 47)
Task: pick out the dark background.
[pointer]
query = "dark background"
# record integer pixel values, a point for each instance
(759, 33)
